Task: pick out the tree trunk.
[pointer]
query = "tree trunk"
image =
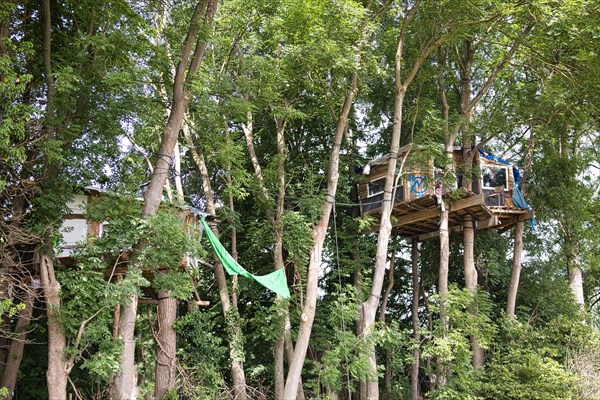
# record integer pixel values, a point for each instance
(57, 373)
(576, 280)
(15, 353)
(471, 283)
(166, 343)
(178, 182)
(444, 264)
(385, 230)
(318, 236)
(278, 253)
(124, 385)
(188, 66)
(432, 379)
(289, 351)
(414, 369)
(442, 375)
(382, 311)
(278, 371)
(385, 225)
(515, 276)
(237, 370)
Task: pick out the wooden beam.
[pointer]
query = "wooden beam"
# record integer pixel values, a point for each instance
(143, 300)
(436, 234)
(487, 223)
(416, 216)
(466, 203)
(526, 216)
(200, 303)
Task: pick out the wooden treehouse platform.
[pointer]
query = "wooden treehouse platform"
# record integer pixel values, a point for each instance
(421, 217)
(416, 211)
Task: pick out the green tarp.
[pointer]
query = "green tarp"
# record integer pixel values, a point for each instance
(274, 281)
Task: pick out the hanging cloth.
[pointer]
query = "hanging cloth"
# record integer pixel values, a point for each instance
(275, 281)
(519, 202)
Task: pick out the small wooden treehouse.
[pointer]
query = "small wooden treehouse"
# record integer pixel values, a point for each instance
(76, 229)
(416, 208)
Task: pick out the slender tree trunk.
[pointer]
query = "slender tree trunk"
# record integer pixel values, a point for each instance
(471, 283)
(279, 373)
(278, 253)
(318, 236)
(382, 311)
(166, 344)
(431, 379)
(513, 289)
(416, 353)
(576, 279)
(385, 226)
(233, 235)
(237, 369)
(442, 375)
(385, 230)
(191, 56)
(57, 373)
(124, 385)
(444, 262)
(289, 351)
(515, 276)
(178, 182)
(15, 353)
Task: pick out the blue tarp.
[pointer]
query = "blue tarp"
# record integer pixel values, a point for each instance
(517, 197)
(490, 156)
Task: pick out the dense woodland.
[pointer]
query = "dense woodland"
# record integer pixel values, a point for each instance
(260, 113)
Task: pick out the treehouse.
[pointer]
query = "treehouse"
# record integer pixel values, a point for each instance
(492, 201)
(77, 228)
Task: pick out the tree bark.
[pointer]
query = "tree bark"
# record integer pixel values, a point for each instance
(444, 263)
(471, 283)
(289, 351)
(442, 376)
(187, 67)
(178, 182)
(278, 252)
(278, 370)
(385, 226)
(57, 373)
(15, 353)
(318, 236)
(382, 311)
(124, 385)
(166, 343)
(385, 230)
(515, 276)
(511, 302)
(414, 369)
(576, 280)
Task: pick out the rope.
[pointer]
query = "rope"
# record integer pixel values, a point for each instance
(337, 258)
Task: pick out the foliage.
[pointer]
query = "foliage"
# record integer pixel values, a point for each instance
(96, 120)
(202, 354)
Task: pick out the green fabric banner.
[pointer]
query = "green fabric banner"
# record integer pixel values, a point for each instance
(274, 281)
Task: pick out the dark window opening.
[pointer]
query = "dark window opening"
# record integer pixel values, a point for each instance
(376, 187)
(494, 176)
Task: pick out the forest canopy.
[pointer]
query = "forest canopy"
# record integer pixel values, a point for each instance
(423, 176)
